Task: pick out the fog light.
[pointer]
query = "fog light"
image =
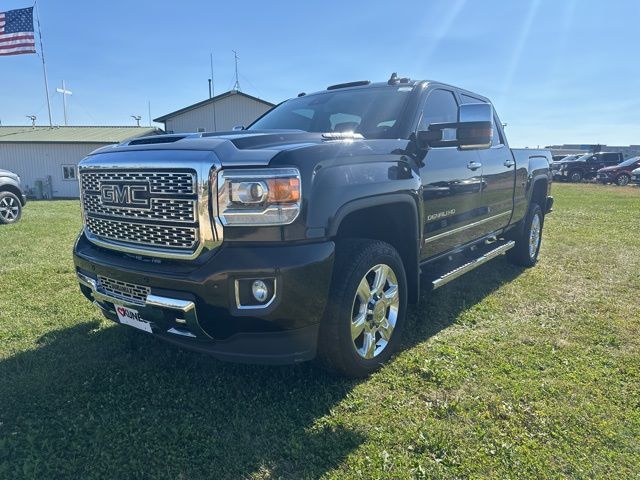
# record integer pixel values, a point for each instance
(255, 293)
(260, 291)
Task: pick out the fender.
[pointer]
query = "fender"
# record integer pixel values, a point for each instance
(409, 199)
(413, 232)
(8, 184)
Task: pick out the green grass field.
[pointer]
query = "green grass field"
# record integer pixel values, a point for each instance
(507, 373)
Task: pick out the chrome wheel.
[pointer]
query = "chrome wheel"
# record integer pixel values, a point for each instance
(534, 235)
(623, 180)
(9, 209)
(375, 311)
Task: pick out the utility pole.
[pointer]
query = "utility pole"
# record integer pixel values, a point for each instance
(212, 92)
(137, 118)
(64, 93)
(236, 86)
(149, 110)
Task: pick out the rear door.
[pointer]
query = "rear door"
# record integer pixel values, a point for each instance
(451, 182)
(498, 177)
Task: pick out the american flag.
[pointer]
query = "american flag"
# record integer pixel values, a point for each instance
(16, 32)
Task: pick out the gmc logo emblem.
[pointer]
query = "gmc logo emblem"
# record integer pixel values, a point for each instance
(125, 194)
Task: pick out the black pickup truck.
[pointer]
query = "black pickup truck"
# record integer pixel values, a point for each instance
(584, 167)
(307, 234)
(12, 197)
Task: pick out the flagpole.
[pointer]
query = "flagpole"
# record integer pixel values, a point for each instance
(44, 68)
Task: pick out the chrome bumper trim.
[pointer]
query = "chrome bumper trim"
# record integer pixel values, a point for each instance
(188, 320)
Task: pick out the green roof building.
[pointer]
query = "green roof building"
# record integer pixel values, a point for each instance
(47, 158)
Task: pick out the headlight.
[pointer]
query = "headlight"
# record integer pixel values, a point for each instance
(259, 197)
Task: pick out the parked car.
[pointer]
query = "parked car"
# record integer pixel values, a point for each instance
(557, 163)
(586, 166)
(12, 197)
(635, 176)
(305, 235)
(619, 174)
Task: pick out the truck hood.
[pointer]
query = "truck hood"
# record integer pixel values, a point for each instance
(244, 148)
(613, 168)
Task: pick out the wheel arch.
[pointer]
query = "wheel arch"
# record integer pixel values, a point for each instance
(9, 187)
(390, 218)
(539, 191)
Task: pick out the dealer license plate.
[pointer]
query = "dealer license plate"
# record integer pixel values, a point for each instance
(131, 317)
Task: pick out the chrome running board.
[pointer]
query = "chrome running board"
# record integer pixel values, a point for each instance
(467, 267)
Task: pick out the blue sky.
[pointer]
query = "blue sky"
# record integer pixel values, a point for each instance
(558, 71)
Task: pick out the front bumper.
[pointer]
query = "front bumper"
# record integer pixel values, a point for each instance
(194, 304)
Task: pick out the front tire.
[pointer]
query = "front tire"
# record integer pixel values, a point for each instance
(575, 176)
(366, 310)
(623, 180)
(10, 208)
(525, 252)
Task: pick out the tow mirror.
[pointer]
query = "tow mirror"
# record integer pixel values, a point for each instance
(473, 130)
(475, 126)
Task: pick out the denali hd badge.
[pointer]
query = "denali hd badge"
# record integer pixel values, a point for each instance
(125, 194)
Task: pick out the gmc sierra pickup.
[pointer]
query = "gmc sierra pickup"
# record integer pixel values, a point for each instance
(307, 234)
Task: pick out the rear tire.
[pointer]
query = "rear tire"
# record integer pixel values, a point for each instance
(623, 180)
(10, 208)
(366, 310)
(525, 252)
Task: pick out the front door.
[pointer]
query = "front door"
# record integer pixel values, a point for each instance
(451, 181)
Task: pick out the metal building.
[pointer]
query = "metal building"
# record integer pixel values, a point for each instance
(47, 158)
(216, 114)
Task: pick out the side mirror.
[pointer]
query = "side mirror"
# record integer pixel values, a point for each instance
(238, 127)
(475, 126)
(473, 130)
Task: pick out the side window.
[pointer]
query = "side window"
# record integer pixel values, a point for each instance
(69, 172)
(497, 136)
(440, 107)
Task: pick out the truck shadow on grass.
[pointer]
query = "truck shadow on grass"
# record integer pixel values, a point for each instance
(96, 402)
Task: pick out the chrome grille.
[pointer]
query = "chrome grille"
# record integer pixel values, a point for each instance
(155, 236)
(124, 291)
(181, 210)
(160, 182)
(166, 221)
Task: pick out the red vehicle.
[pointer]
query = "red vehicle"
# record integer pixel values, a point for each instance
(619, 174)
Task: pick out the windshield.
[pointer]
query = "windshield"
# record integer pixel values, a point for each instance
(629, 161)
(568, 158)
(372, 112)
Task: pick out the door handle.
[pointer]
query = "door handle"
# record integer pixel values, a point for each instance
(509, 163)
(474, 165)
